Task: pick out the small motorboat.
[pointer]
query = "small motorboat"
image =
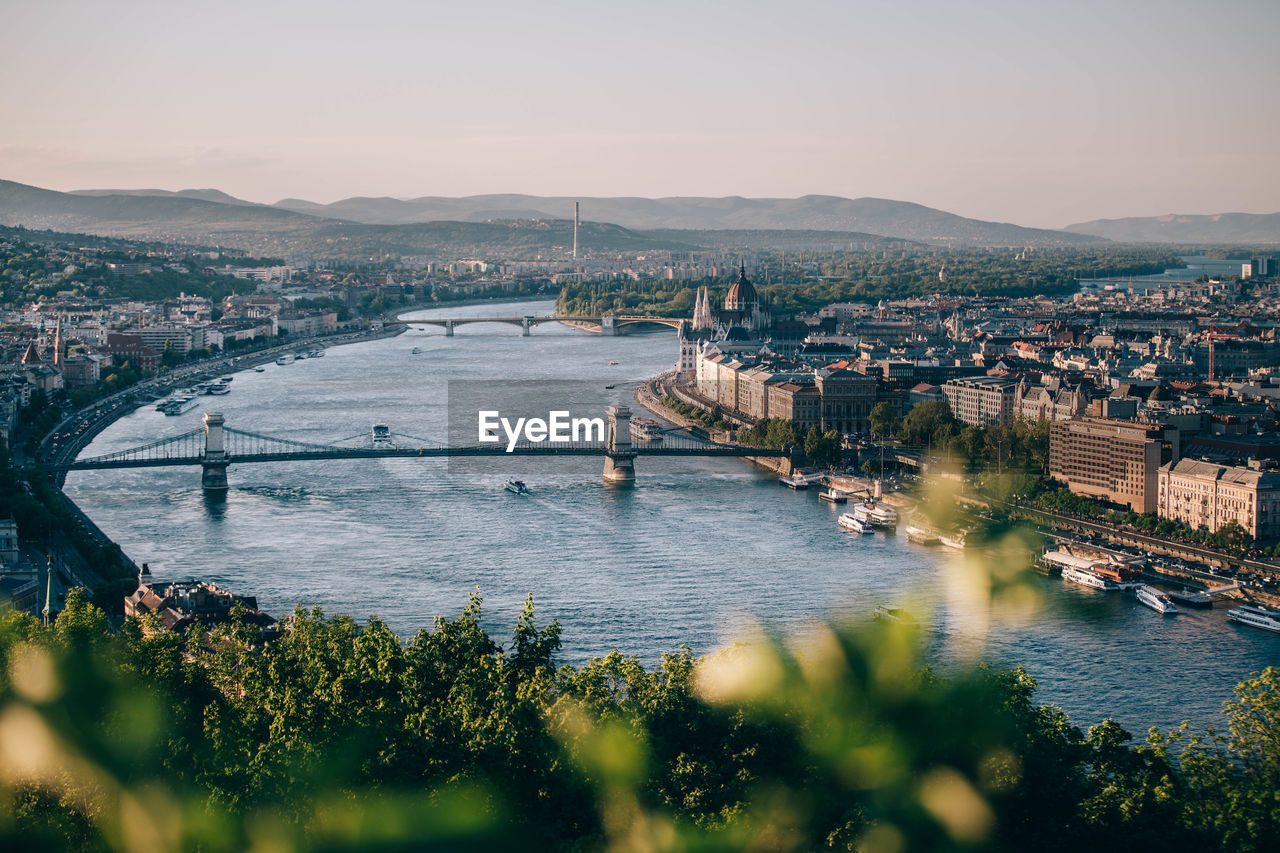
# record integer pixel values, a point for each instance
(613, 362)
(608, 387)
(516, 487)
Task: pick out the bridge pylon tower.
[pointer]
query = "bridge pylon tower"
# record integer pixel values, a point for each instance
(619, 458)
(214, 460)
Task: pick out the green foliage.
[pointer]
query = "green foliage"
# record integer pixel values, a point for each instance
(710, 419)
(771, 433)
(342, 736)
(884, 419)
(871, 276)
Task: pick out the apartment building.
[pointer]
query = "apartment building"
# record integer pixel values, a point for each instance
(981, 400)
(1206, 496)
(1112, 460)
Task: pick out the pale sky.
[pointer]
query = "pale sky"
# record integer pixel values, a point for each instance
(1031, 112)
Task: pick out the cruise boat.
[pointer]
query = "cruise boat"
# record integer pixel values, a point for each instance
(832, 495)
(1191, 597)
(1084, 577)
(1258, 617)
(381, 437)
(1155, 599)
(219, 388)
(646, 429)
(848, 522)
(516, 487)
(316, 353)
(876, 514)
(795, 481)
(287, 358)
(953, 540)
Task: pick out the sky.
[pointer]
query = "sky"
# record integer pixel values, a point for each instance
(1033, 112)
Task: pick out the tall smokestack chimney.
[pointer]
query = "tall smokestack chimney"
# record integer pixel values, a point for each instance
(575, 230)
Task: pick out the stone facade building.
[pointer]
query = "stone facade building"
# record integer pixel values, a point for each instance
(1206, 496)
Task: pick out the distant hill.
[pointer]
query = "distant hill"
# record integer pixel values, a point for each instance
(262, 229)
(882, 217)
(1242, 228)
(788, 240)
(203, 195)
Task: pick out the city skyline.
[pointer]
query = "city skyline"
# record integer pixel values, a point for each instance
(1041, 117)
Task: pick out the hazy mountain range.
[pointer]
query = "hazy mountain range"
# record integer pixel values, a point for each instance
(814, 212)
(522, 223)
(1246, 228)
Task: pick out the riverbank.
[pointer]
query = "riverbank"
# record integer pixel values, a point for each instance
(650, 393)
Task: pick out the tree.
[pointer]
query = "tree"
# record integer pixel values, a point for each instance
(884, 419)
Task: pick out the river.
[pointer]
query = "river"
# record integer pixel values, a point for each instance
(699, 551)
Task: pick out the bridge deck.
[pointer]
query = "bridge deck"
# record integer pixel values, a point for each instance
(115, 462)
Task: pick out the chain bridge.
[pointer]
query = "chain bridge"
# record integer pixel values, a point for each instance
(215, 446)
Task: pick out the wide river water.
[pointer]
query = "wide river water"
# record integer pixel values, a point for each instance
(698, 552)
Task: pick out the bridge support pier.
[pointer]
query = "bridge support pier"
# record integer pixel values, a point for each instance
(448, 328)
(619, 459)
(524, 327)
(608, 326)
(214, 461)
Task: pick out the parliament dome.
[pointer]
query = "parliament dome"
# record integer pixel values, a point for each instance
(742, 294)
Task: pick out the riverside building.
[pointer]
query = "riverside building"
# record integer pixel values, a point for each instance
(1206, 496)
(1112, 460)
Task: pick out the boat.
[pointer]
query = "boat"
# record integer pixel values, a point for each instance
(416, 351)
(645, 429)
(316, 353)
(953, 540)
(922, 535)
(1084, 577)
(1155, 599)
(178, 405)
(848, 522)
(1191, 597)
(608, 387)
(381, 437)
(832, 495)
(259, 370)
(218, 388)
(613, 362)
(516, 487)
(285, 359)
(876, 514)
(893, 614)
(795, 481)
(1258, 617)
